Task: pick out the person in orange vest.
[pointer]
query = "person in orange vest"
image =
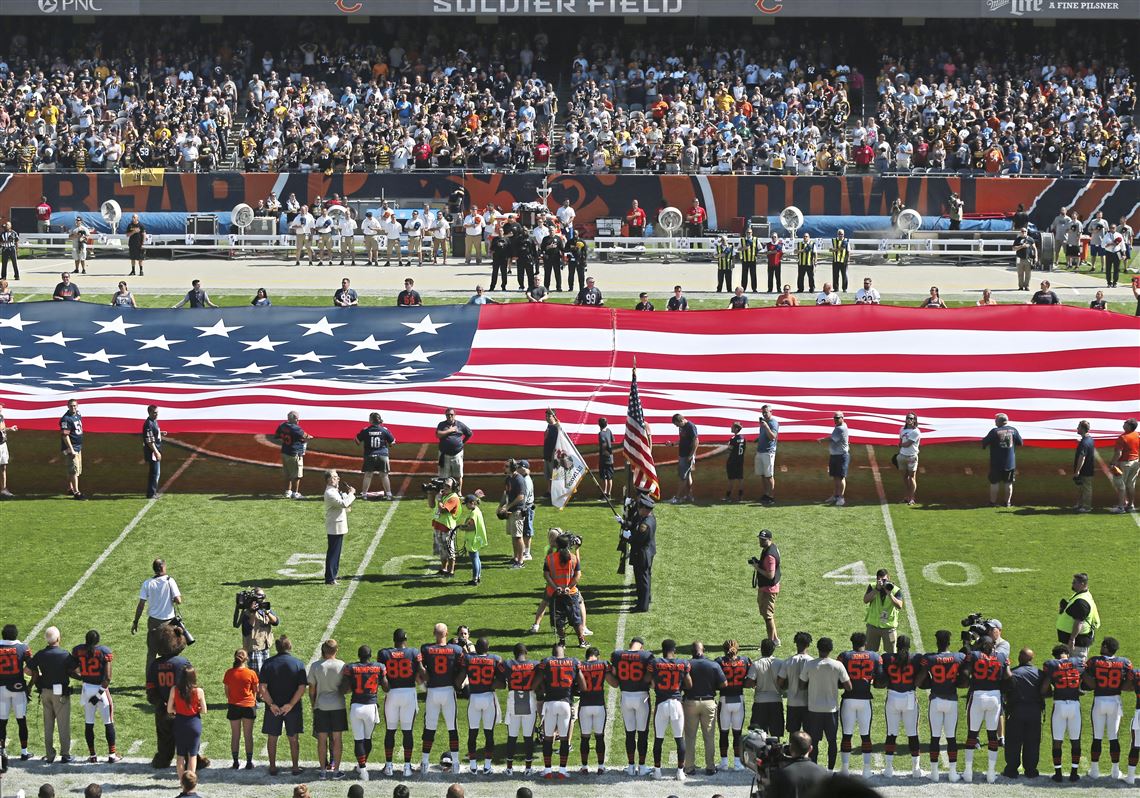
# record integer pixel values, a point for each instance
(562, 569)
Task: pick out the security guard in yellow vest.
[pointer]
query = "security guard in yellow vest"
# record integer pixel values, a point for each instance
(805, 260)
(1078, 619)
(725, 252)
(748, 250)
(840, 255)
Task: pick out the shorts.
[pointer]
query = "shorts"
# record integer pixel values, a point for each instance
(765, 464)
(293, 465)
(400, 707)
(685, 466)
(377, 464)
(363, 719)
(568, 609)
(451, 465)
(606, 470)
(13, 702)
(998, 475)
(635, 710)
(3, 454)
(234, 712)
(734, 469)
(103, 705)
(326, 721)
(1072, 250)
(515, 523)
(79, 251)
(445, 544)
(908, 464)
(293, 723)
(837, 464)
(767, 603)
(74, 463)
(522, 711)
(669, 715)
(592, 719)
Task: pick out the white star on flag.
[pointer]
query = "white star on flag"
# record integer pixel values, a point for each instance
(82, 375)
(308, 357)
(147, 367)
(117, 326)
(356, 367)
(368, 343)
(218, 328)
(59, 339)
(263, 343)
(157, 343)
(101, 356)
(7, 346)
(292, 375)
(16, 322)
(252, 368)
(424, 325)
(204, 359)
(37, 361)
(322, 327)
(417, 355)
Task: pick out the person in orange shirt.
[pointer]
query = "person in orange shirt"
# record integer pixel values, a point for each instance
(241, 701)
(787, 299)
(1125, 467)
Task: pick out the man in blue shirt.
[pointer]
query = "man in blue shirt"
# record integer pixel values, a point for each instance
(1002, 441)
(283, 683)
(479, 298)
(292, 440)
(687, 440)
(375, 439)
(1084, 468)
(766, 454)
(71, 443)
(345, 297)
(152, 450)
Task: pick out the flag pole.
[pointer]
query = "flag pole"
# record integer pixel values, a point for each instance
(628, 468)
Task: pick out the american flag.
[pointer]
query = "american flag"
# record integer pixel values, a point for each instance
(241, 370)
(638, 443)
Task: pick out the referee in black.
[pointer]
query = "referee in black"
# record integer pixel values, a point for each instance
(9, 244)
(1024, 708)
(748, 249)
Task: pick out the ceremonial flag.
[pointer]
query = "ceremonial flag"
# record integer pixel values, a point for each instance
(638, 443)
(242, 369)
(569, 468)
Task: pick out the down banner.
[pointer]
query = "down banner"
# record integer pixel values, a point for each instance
(241, 370)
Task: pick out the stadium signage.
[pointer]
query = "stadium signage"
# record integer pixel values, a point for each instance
(69, 6)
(543, 7)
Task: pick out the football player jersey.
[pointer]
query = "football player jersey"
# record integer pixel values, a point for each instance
(364, 680)
(93, 662)
(594, 672)
(986, 670)
(943, 668)
(735, 669)
(520, 674)
(482, 671)
(400, 666)
(1108, 673)
(900, 671)
(630, 667)
(443, 662)
(862, 669)
(1065, 676)
(14, 656)
(668, 677)
(162, 673)
(559, 676)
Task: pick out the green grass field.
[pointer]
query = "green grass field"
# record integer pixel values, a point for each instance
(222, 525)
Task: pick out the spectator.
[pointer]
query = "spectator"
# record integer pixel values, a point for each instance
(189, 782)
(1125, 467)
(292, 439)
(65, 290)
(261, 299)
(345, 296)
(687, 442)
(196, 297)
(241, 683)
(283, 683)
(1002, 442)
(409, 297)
(827, 296)
(330, 720)
(452, 435)
(1046, 296)
(678, 300)
(480, 298)
(589, 295)
(93, 790)
(934, 300)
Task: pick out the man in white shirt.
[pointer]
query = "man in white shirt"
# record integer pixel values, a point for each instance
(566, 215)
(330, 720)
(414, 227)
(823, 677)
(473, 232)
(302, 228)
(789, 680)
(337, 503)
(392, 229)
(347, 238)
(440, 233)
(827, 296)
(371, 228)
(866, 295)
(157, 596)
(323, 228)
(539, 233)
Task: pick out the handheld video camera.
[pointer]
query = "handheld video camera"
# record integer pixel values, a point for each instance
(762, 755)
(250, 598)
(976, 627)
(434, 485)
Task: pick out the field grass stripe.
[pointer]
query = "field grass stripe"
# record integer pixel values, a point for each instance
(70, 594)
(619, 642)
(896, 554)
(1108, 473)
(354, 583)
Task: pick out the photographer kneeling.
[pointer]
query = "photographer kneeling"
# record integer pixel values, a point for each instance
(442, 497)
(252, 614)
(883, 600)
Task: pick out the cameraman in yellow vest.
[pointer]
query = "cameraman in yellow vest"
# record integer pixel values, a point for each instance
(1078, 619)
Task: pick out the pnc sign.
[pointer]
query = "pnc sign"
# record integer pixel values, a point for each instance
(70, 6)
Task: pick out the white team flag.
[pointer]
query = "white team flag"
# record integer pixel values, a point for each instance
(569, 468)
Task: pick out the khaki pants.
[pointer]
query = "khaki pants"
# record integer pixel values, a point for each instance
(473, 246)
(700, 714)
(347, 248)
(304, 244)
(57, 715)
(394, 248)
(1085, 490)
(1024, 272)
(877, 635)
(372, 248)
(326, 247)
(416, 247)
(439, 248)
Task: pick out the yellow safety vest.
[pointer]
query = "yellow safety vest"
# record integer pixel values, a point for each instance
(1065, 621)
(805, 252)
(839, 251)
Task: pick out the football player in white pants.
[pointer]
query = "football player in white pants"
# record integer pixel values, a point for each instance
(402, 670)
(592, 708)
(670, 676)
(900, 670)
(989, 670)
(93, 667)
(939, 672)
(628, 671)
(363, 680)
(522, 707)
(1106, 675)
(863, 668)
(1134, 751)
(441, 665)
(483, 672)
(1063, 680)
(559, 674)
(13, 699)
(730, 708)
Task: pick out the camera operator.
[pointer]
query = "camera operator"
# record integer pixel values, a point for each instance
(883, 600)
(1078, 619)
(443, 498)
(800, 775)
(252, 614)
(158, 595)
(766, 580)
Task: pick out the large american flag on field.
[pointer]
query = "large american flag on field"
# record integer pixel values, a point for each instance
(242, 369)
(638, 443)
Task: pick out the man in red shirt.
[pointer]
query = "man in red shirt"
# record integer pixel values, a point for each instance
(774, 251)
(635, 219)
(863, 157)
(695, 220)
(1125, 467)
(43, 216)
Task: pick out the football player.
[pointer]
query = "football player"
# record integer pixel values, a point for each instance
(403, 669)
(363, 679)
(556, 676)
(14, 657)
(987, 669)
(939, 671)
(730, 711)
(1106, 675)
(898, 675)
(93, 668)
(767, 705)
(1063, 680)
(442, 665)
(669, 676)
(1134, 751)
(484, 671)
(629, 673)
(522, 707)
(863, 668)
(592, 707)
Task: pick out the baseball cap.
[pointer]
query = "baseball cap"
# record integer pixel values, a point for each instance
(524, 463)
(470, 497)
(764, 534)
(995, 623)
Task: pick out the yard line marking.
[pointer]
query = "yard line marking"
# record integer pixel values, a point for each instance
(1110, 475)
(136, 746)
(619, 642)
(354, 582)
(997, 569)
(70, 594)
(900, 574)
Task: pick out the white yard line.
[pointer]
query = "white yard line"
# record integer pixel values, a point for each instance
(1107, 473)
(354, 583)
(619, 643)
(900, 572)
(70, 594)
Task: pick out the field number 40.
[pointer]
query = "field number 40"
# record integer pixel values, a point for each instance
(947, 573)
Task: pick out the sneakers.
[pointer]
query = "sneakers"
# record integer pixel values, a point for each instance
(1083, 510)
(362, 772)
(488, 770)
(587, 632)
(830, 500)
(1117, 510)
(407, 769)
(631, 770)
(534, 629)
(7, 494)
(839, 501)
(298, 496)
(288, 494)
(527, 556)
(509, 771)
(93, 759)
